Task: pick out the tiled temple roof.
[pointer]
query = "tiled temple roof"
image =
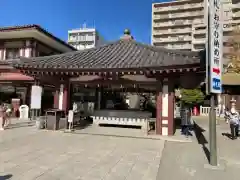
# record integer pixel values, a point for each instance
(122, 54)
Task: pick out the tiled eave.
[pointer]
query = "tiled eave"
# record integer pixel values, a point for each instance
(117, 58)
(112, 72)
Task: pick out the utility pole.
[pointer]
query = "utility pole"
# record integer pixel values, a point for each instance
(212, 133)
(213, 68)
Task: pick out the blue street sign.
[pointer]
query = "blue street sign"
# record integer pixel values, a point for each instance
(216, 84)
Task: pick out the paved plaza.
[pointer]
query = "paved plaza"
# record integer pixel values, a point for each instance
(30, 154)
(26, 154)
(189, 161)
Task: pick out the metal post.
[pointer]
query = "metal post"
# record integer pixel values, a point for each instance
(207, 46)
(212, 133)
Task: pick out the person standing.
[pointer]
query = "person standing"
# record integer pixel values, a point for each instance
(227, 115)
(234, 123)
(2, 117)
(186, 121)
(8, 111)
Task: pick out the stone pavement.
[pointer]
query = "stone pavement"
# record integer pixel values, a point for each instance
(129, 133)
(189, 161)
(27, 154)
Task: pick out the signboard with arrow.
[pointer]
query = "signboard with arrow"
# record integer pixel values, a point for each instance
(215, 49)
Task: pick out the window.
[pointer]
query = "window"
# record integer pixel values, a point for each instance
(12, 53)
(72, 37)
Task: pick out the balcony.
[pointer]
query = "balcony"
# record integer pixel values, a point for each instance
(236, 22)
(178, 23)
(199, 31)
(199, 41)
(178, 15)
(184, 38)
(81, 39)
(72, 39)
(186, 14)
(198, 47)
(236, 6)
(172, 39)
(236, 14)
(89, 38)
(179, 7)
(180, 46)
(172, 31)
(173, 23)
(198, 21)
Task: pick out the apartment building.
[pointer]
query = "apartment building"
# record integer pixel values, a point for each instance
(84, 38)
(231, 20)
(182, 24)
(178, 24)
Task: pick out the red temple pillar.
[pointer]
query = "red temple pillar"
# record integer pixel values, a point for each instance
(165, 108)
(159, 109)
(171, 106)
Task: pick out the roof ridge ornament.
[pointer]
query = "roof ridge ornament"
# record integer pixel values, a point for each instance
(127, 35)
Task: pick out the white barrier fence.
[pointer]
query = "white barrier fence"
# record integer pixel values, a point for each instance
(204, 111)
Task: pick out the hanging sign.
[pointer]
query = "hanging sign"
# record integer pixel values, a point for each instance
(216, 50)
(36, 97)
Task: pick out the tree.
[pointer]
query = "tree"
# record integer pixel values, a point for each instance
(192, 97)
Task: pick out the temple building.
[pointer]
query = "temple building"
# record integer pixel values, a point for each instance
(110, 75)
(19, 42)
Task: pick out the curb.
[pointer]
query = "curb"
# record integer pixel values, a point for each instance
(134, 137)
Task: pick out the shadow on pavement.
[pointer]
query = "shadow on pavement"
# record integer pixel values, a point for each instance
(227, 135)
(19, 125)
(8, 176)
(201, 139)
(83, 124)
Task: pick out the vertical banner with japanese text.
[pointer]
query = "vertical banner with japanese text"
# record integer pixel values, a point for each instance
(36, 97)
(216, 46)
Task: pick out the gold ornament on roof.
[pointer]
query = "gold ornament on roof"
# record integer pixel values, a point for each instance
(234, 54)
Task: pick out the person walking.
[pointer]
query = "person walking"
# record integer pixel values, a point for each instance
(234, 123)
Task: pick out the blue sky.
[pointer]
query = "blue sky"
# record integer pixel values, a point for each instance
(110, 17)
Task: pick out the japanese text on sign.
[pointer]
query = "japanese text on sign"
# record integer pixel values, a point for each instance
(215, 46)
(216, 33)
